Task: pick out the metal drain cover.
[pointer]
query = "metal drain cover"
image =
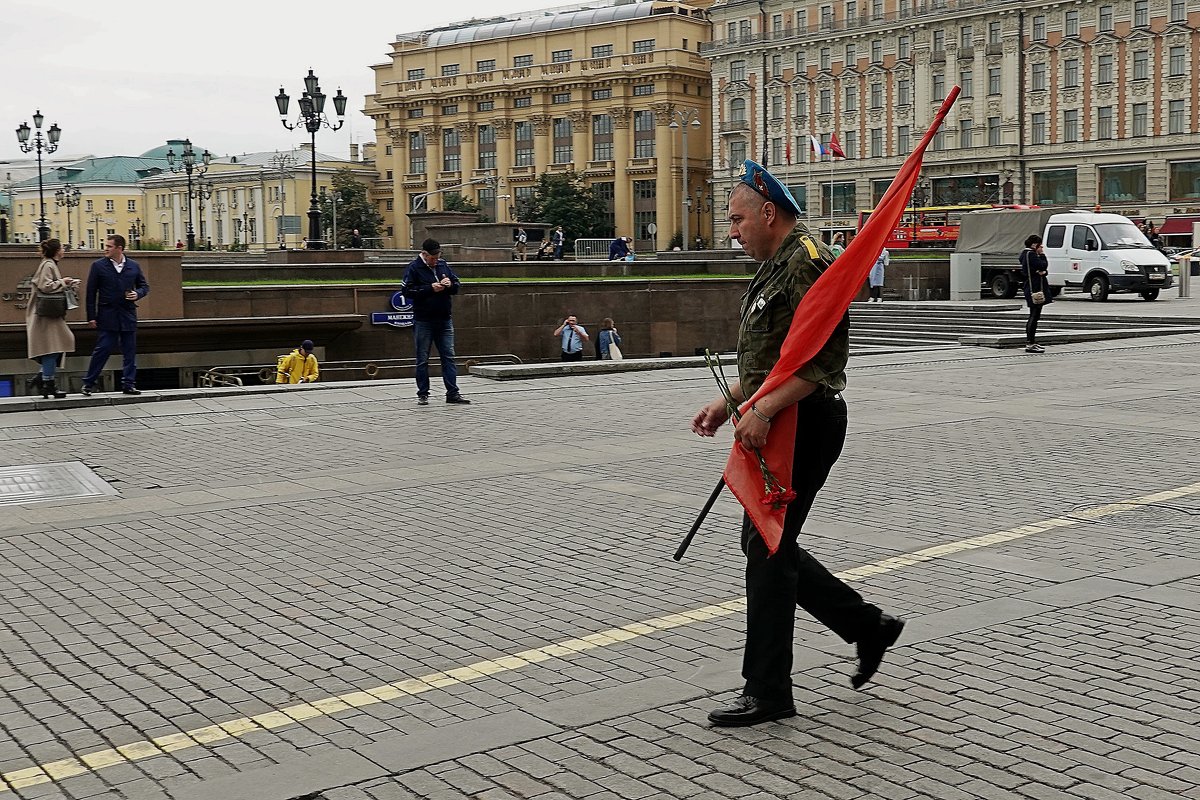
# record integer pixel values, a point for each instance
(41, 483)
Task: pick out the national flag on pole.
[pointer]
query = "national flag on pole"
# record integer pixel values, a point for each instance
(818, 149)
(820, 311)
(835, 147)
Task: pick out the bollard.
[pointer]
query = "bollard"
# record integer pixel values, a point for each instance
(1185, 276)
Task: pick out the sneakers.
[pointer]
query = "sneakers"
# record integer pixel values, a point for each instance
(88, 389)
(422, 400)
(458, 399)
(1035, 348)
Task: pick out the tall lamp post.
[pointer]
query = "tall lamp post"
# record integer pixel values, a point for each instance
(283, 163)
(189, 165)
(49, 145)
(682, 118)
(703, 203)
(136, 229)
(68, 198)
(204, 190)
(312, 117)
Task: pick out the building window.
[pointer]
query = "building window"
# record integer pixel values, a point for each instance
(939, 87)
(965, 133)
(777, 23)
(939, 43)
(966, 83)
(1178, 65)
(1123, 184)
(487, 147)
(902, 48)
(1037, 128)
(777, 107)
(1106, 18)
(643, 134)
(939, 140)
(1141, 65)
(993, 80)
(1104, 69)
(993, 129)
(559, 56)
(737, 70)
(486, 105)
(1037, 81)
(522, 61)
(563, 153)
(801, 68)
(109, 205)
(993, 33)
(451, 155)
(1178, 11)
(826, 17)
(737, 109)
(416, 113)
(1071, 125)
(802, 20)
(131, 205)
(876, 95)
(449, 111)
(776, 150)
(643, 46)
(601, 94)
(838, 198)
(851, 9)
(487, 65)
(1104, 122)
(801, 106)
(851, 101)
(850, 146)
(876, 142)
(416, 74)
(826, 58)
(1141, 13)
(602, 137)
(560, 98)
(1140, 119)
(903, 139)
(1071, 23)
(966, 37)
(1039, 28)
(602, 50)
(903, 92)
(523, 141)
(1054, 187)
(776, 66)
(449, 69)
(522, 102)
(876, 51)
(1184, 180)
(851, 56)
(1071, 72)
(826, 101)
(737, 152)
(1176, 122)
(643, 89)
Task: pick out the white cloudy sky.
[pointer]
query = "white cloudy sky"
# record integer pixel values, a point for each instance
(124, 76)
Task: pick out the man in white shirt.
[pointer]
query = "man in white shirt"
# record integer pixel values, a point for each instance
(573, 335)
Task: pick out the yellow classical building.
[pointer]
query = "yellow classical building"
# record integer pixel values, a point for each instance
(483, 108)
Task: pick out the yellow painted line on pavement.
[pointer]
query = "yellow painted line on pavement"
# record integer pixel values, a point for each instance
(289, 715)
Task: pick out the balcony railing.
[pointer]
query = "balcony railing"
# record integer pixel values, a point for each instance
(735, 125)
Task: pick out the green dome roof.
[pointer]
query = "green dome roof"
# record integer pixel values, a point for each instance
(172, 144)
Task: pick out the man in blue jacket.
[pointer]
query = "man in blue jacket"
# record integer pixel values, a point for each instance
(429, 283)
(114, 286)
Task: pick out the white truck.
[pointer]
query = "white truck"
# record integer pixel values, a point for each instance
(1088, 251)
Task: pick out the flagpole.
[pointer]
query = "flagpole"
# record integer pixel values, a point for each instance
(831, 194)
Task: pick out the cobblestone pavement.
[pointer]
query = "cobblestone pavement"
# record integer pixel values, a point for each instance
(340, 595)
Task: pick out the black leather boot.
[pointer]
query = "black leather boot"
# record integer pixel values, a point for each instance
(50, 390)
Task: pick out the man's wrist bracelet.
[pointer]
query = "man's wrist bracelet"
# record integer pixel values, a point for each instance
(754, 410)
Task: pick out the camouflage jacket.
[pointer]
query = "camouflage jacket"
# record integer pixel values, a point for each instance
(770, 303)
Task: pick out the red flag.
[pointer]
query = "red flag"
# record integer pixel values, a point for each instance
(820, 311)
(835, 147)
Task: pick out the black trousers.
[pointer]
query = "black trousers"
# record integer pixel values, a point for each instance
(1035, 314)
(876, 292)
(775, 585)
(572, 356)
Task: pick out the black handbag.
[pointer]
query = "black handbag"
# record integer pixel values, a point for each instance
(53, 306)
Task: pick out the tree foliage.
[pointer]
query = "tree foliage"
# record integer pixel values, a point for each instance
(354, 209)
(456, 202)
(564, 199)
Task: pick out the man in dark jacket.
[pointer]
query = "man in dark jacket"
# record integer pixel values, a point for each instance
(429, 283)
(114, 286)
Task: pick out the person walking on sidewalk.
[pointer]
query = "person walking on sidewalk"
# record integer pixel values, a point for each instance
(114, 285)
(1037, 292)
(430, 283)
(763, 218)
(49, 337)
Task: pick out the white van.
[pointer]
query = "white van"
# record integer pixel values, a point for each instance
(1102, 253)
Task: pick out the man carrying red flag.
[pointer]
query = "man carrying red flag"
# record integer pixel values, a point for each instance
(763, 217)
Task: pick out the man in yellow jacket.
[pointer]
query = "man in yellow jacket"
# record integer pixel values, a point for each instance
(299, 366)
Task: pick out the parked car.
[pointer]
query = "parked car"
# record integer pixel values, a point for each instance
(1179, 254)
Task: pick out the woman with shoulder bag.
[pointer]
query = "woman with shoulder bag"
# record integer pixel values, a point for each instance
(608, 342)
(1037, 290)
(49, 337)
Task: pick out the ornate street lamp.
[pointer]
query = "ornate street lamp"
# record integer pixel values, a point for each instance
(204, 190)
(312, 117)
(680, 120)
(68, 198)
(189, 165)
(136, 230)
(49, 145)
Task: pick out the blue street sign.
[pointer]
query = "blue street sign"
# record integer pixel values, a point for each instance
(402, 317)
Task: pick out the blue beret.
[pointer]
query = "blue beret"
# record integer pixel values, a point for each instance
(764, 183)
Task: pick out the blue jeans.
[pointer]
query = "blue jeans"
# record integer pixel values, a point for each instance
(439, 332)
(49, 364)
(106, 342)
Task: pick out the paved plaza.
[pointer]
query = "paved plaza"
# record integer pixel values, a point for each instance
(332, 593)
